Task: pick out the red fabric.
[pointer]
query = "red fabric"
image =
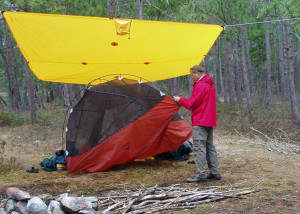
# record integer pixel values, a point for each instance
(202, 103)
(151, 134)
(84, 148)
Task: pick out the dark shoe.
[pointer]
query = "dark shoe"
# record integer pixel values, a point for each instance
(196, 180)
(214, 177)
(46, 169)
(191, 162)
(32, 170)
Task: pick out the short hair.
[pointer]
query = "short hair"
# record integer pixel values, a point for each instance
(198, 68)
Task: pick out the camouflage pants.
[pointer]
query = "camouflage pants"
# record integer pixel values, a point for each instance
(204, 151)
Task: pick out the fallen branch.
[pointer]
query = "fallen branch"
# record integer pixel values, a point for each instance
(149, 191)
(280, 143)
(113, 207)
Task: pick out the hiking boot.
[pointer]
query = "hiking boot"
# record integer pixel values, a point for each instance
(196, 180)
(191, 162)
(32, 170)
(214, 177)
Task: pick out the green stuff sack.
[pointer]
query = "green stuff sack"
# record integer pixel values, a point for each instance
(46, 164)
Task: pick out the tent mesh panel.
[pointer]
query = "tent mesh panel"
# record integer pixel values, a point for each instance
(105, 109)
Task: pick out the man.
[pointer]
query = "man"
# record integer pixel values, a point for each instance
(202, 103)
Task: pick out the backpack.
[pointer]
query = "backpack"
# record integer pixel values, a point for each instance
(182, 153)
(50, 164)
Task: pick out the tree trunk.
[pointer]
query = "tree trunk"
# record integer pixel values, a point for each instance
(123, 8)
(225, 77)
(221, 83)
(293, 97)
(226, 84)
(215, 75)
(42, 96)
(268, 64)
(298, 62)
(171, 86)
(246, 82)
(207, 64)
(249, 64)
(24, 100)
(276, 74)
(140, 9)
(9, 95)
(257, 87)
(285, 68)
(284, 93)
(238, 79)
(12, 79)
(66, 95)
(229, 59)
(59, 91)
(74, 92)
(71, 94)
(31, 93)
(190, 84)
(109, 9)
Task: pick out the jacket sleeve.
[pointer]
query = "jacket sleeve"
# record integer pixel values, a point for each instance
(195, 100)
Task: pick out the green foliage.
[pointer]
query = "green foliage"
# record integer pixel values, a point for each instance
(59, 102)
(153, 14)
(256, 37)
(2, 79)
(59, 10)
(278, 8)
(7, 118)
(44, 117)
(256, 109)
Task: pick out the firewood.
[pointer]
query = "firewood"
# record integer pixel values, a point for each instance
(155, 200)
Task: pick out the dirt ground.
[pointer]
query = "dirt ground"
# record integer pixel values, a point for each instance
(243, 162)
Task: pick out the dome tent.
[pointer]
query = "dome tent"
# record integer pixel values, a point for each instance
(119, 121)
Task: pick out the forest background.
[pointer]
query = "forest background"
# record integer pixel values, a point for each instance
(254, 63)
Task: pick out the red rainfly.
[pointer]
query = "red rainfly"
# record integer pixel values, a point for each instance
(147, 125)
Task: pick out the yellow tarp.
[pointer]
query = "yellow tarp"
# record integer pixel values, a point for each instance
(79, 49)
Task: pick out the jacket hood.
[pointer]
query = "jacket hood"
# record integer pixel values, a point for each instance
(207, 79)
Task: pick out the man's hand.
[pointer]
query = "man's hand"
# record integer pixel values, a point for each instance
(176, 99)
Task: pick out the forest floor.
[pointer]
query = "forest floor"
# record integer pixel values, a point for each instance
(243, 162)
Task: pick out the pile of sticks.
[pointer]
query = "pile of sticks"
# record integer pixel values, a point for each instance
(280, 142)
(158, 199)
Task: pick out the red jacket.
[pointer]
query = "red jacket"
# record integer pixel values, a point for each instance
(202, 103)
